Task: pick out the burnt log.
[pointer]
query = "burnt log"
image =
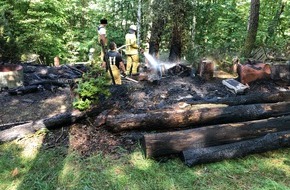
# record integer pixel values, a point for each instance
(271, 141)
(167, 143)
(9, 132)
(24, 90)
(206, 69)
(247, 99)
(58, 121)
(280, 71)
(195, 116)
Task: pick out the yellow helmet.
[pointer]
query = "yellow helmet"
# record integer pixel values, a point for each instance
(133, 27)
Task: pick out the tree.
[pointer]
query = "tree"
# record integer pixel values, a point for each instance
(178, 18)
(252, 28)
(159, 20)
(275, 22)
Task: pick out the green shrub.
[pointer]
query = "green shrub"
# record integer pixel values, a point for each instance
(93, 84)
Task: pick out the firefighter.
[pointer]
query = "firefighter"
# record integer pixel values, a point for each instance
(115, 61)
(102, 36)
(132, 51)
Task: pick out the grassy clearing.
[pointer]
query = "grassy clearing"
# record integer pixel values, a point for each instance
(28, 166)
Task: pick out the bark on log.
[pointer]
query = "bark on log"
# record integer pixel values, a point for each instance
(271, 141)
(194, 117)
(54, 122)
(162, 144)
(247, 99)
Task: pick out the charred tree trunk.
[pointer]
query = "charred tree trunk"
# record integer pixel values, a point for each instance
(269, 142)
(162, 144)
(247, 99)
(252, 28)
(195, 117)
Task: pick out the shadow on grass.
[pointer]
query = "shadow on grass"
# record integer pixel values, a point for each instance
(47, 166)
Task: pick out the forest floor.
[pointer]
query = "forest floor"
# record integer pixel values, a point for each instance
(85, 138)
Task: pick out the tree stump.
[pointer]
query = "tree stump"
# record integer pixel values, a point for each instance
(11, 76)
(206, 69)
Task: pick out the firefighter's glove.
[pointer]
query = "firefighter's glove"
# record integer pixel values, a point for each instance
(124, 74)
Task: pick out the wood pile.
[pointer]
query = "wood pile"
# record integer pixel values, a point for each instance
(47, 78)
(213, 134)
(201, 131)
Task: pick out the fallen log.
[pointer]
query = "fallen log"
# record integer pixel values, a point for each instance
(24, 90)
(9, 125)
(271, 141)
(195, 117)
(167, 143)
(20, 130)
(247, 99)
(54, 122)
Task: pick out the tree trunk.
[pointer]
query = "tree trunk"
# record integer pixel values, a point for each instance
(176, 44)
(162, 144)
(178, 17)
(275, 22)
(195, 116)
(252, 28)
(158, 23)
(271, 141)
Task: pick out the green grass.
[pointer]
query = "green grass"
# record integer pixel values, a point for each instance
(60, 168)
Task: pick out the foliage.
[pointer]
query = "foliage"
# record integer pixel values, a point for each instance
(93, 84)
(68, 28)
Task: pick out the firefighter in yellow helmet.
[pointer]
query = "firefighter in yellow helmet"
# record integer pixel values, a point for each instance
(115, 61)
(132, 51)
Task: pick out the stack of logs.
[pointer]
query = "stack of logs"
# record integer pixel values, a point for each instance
(213, 130)
(201, 132)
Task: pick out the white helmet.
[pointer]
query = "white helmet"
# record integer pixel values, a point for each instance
(133, 27)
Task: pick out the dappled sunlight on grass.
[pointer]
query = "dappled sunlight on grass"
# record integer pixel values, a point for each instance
(30, 150)
(70, 175)
(58, 168)
(12, 166)
(140, 162)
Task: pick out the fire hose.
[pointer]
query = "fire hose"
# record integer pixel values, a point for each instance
(130, 79)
